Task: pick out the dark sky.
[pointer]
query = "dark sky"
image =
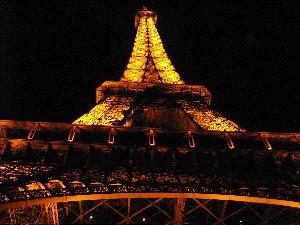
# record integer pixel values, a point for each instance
(55, 53)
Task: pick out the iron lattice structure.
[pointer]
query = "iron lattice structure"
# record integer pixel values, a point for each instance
(151, 151)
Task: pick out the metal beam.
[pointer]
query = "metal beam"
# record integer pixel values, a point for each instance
(223, 209)
(273, 215)
(196, 207)
(210, 212)
(111, 135)
(80, 216)
(51, 214)
(160, 209)
(72, 133)
(151, 137)
(179, 204)
(12, 216)
(191, 139)
(80, 212)
(266, 142)
(114, 209)
(85, 213)
(229, 140)
(93, 197)
(256, 213)
(232, 214)
(2, 131)
(141, 210)
(128, 211)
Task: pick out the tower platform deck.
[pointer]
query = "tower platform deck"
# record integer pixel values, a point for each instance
(153, 90)
(117, 159)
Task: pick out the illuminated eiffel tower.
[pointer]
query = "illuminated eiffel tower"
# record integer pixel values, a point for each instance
(151, 151)
(151, 92)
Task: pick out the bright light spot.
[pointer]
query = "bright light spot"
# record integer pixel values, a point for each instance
(91, 217)
(144, 219)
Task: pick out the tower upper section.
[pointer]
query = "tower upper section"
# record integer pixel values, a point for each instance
(151, 93)
(149, 62)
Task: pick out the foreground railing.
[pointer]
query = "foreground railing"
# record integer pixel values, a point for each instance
(292, 194)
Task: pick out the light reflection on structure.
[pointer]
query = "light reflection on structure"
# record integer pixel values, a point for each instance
(149, 61)
(151, 75)
(110, 111)
(207, 118)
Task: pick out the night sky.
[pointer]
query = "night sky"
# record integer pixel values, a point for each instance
(54, 54)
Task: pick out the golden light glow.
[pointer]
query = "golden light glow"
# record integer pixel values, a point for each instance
(149, 61)
(108, 112)
(208, 119)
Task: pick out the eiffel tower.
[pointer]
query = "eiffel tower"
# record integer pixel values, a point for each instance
(151, 151)
(151, 93)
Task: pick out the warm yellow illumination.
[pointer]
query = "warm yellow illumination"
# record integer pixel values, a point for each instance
(149, 61)
(208, 119)
(108, 112)
(150, 64)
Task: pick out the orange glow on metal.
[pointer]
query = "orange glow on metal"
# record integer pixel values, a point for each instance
(209, 119)
(149, 61)
(110, 111)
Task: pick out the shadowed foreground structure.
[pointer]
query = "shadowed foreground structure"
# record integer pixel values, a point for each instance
(151, 151)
